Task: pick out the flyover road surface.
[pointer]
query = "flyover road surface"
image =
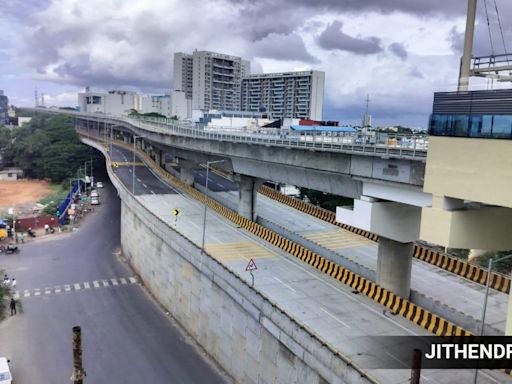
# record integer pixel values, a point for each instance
(325, 306)
(77, 278)
(457, 292)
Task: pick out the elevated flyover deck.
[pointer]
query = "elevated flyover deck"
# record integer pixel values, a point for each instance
(320, 303)
(434, 283)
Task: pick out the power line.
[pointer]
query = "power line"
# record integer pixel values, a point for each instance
(501, 30)
(489, 27)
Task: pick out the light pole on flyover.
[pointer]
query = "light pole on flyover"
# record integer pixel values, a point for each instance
(133, 164)
(208, 163)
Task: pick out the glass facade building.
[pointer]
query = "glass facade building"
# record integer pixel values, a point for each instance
(480, 114)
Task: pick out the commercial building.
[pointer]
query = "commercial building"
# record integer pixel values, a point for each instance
(4, 107)
(122, 102)
(298, 95)
(153, 104)
(469, 171)
(112, 102)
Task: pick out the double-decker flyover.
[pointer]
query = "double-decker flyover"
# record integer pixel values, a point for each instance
(355, 166)
(331, 311)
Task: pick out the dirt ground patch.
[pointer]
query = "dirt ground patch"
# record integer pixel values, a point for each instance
(22, 194)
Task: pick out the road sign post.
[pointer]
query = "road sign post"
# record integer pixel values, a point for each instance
(251, 266)
(176, 212)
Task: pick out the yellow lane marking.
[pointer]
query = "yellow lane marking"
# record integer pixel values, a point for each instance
(338, 239)
(127, 163)
(244, 250)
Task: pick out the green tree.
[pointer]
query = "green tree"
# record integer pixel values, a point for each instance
(47, 148)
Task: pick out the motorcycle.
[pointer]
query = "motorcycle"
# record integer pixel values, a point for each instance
(9, 249)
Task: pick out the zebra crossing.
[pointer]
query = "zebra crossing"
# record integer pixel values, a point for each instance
(86, 285)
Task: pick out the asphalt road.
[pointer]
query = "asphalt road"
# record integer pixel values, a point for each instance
(144, 182)
(77, 279)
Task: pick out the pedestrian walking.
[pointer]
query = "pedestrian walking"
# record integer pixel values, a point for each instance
(17, 237)
(46, 228)
(22, 237)
(6, 279)
(12, 305)
(13, 282)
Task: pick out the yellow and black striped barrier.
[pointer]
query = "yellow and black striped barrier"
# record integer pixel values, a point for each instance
(441, 260)
(396, 304)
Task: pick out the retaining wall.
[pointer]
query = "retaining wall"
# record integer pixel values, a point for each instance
(248, 335)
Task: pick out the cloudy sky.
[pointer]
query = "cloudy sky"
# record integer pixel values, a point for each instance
(398, 51)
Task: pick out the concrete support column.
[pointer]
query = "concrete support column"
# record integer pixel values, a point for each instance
(158, 157)
(394, 263)
(247, 193)
(187, 171)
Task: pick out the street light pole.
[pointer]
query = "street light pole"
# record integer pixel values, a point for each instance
(488, 283)
(206, 199)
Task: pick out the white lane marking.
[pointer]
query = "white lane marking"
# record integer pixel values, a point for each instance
(57, 290)
(129, 170)
(86, 285)
(123, 280)
(77, 287)
(48, 291)
(286, 285)
(67, 288)
(96, 284)
(138, 179)
(114, 281)
(105, 283)
(153, 193)
(37, 293)
(145, 186)
(335, 318)
(220, 185)
(26, 294)
(133, 280)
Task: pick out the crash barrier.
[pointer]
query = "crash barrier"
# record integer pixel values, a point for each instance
(441, 260)
(398, 305)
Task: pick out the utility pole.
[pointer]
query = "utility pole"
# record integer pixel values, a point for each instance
(77, 377)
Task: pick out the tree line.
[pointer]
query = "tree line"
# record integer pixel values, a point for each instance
(45, 148)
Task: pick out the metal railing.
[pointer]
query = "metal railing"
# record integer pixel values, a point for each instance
(373, 144)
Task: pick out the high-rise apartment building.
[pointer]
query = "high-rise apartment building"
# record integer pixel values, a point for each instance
(211, 80)
(216, 80)
(285, 95)
(183, 73)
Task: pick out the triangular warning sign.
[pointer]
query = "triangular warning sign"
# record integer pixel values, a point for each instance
(251, 266)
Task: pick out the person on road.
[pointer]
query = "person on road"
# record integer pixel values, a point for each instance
(46, 228)
(6, 279)
(13, 282)
(22, 237)
(12, 306)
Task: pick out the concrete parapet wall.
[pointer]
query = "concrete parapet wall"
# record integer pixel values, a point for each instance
(248, 335)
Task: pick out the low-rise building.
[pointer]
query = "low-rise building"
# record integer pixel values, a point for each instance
(11, 174)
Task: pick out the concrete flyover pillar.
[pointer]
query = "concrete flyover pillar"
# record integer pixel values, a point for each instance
(187, 171)
(394, 263)
(247, 193)
(158, 156)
